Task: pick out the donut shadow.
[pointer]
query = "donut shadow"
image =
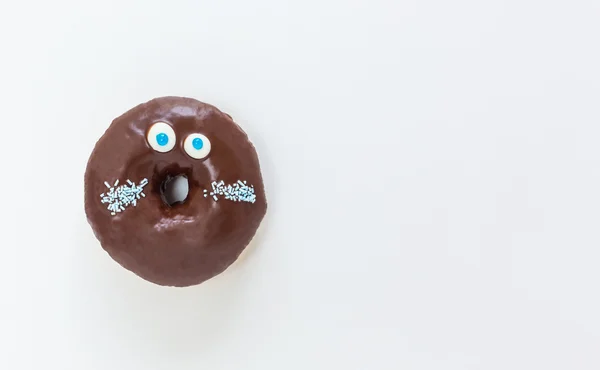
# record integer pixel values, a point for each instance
(116, 309)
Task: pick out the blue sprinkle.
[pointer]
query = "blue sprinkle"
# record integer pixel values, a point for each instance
(119, 197)
(162, 139)
(197, 143)
(237, 192)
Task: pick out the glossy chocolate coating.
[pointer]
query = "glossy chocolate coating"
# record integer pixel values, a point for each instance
(189, 242)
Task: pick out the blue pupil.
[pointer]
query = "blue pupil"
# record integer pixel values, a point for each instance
(162, 139)
(197, 143)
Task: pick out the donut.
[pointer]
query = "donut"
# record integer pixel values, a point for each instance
(132, 166)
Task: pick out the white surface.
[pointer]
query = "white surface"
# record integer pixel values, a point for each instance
(431, 167)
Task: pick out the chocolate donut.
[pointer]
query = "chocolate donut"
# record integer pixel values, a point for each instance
(182, 243)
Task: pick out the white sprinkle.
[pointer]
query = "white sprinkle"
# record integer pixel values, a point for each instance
(119, 197)
(237, 192)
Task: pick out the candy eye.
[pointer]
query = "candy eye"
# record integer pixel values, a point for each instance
(197, 146)
(161, 137)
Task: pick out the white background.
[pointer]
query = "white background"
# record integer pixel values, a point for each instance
(431, 169)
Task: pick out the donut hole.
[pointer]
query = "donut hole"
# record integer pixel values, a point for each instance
(175, 190)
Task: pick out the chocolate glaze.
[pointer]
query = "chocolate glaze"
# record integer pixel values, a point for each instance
(189, 242)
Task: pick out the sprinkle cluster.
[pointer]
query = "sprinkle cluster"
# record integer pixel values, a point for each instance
(119, 197)
(237, 192)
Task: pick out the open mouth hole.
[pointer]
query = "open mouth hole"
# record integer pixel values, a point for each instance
(174, 190)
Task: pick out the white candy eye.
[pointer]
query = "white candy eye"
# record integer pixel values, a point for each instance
(197, 146)
(161, 137)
